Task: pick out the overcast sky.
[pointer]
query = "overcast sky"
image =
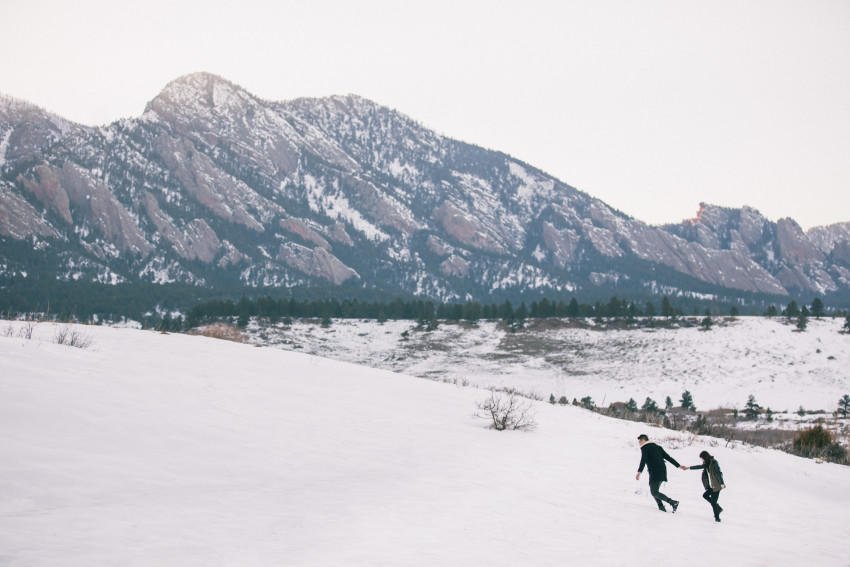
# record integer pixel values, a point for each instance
(651, 106)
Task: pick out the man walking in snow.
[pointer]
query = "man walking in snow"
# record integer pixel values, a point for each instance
(653, 456)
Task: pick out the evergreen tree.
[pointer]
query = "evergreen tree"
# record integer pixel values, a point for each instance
(751, 409)
(706, 323)
(792, 310)
(546, 308)
(844, 405)
(668, 403)
(771, 311)
(572, 308)
(632, 313)
(802, 322)
(615, 308)
(733, 312)
(817, 308)
(587, 402)
(649, 309)
(552, 398)
(520, 315)
(649, 406)
(687, 401)
(847, 324)
(472, 312)
(666, 308)
(598, 313)
(563, 400)
(561, 309)
(506, 312)
(632, 405)
(769, 414)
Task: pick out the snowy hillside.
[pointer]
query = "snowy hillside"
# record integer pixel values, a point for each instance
(767, 358)
(160, 450)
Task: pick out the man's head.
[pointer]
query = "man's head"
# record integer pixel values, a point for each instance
(642, 438)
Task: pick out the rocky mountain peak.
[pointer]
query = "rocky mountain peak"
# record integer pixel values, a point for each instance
(27, 130)
(797, 260)
(214, 186)
(200, 95)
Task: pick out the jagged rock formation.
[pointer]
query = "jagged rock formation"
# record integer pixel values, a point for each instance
(813, 261)
(213, 186)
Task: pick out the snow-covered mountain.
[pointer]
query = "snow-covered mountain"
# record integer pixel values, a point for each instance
(149, 449)
(214, 186)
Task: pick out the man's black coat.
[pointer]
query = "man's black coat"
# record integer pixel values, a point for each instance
(653, 456)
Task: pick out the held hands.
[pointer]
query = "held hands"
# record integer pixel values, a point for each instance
(684, 468)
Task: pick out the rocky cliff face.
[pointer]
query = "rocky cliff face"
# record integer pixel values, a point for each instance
(813, 261)
(214, 186)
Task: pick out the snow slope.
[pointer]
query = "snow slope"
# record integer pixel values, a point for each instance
(765, 357)
(160, 450)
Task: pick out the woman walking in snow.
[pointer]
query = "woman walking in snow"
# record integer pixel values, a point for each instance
(712, 480)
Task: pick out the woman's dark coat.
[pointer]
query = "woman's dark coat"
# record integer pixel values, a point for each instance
(712, 476)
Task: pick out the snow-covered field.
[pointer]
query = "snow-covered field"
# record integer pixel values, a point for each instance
(784, 369)
(159, 450)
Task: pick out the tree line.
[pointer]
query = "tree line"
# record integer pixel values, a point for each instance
(426, 311)
(417, 310)
(175, 305)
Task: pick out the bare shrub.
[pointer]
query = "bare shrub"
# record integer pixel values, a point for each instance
(25, 332)
(221, 331)
(68, 335)
(507, 410)
(679, 441)
(61, 335)
(80, 340)
(766, 437)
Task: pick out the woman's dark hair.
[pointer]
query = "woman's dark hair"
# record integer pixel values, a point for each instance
(705, 456)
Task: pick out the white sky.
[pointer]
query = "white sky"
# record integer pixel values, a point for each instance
(651, 106)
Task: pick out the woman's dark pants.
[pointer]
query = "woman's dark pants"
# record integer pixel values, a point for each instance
(712, 497)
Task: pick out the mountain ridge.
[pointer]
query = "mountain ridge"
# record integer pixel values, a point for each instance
(212, 185)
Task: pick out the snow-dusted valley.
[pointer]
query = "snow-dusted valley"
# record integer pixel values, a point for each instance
(167, 449)
(766, 357)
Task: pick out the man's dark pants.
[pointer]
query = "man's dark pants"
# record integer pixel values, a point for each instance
(659, 497)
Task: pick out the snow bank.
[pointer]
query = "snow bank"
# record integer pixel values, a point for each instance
(152, 449)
